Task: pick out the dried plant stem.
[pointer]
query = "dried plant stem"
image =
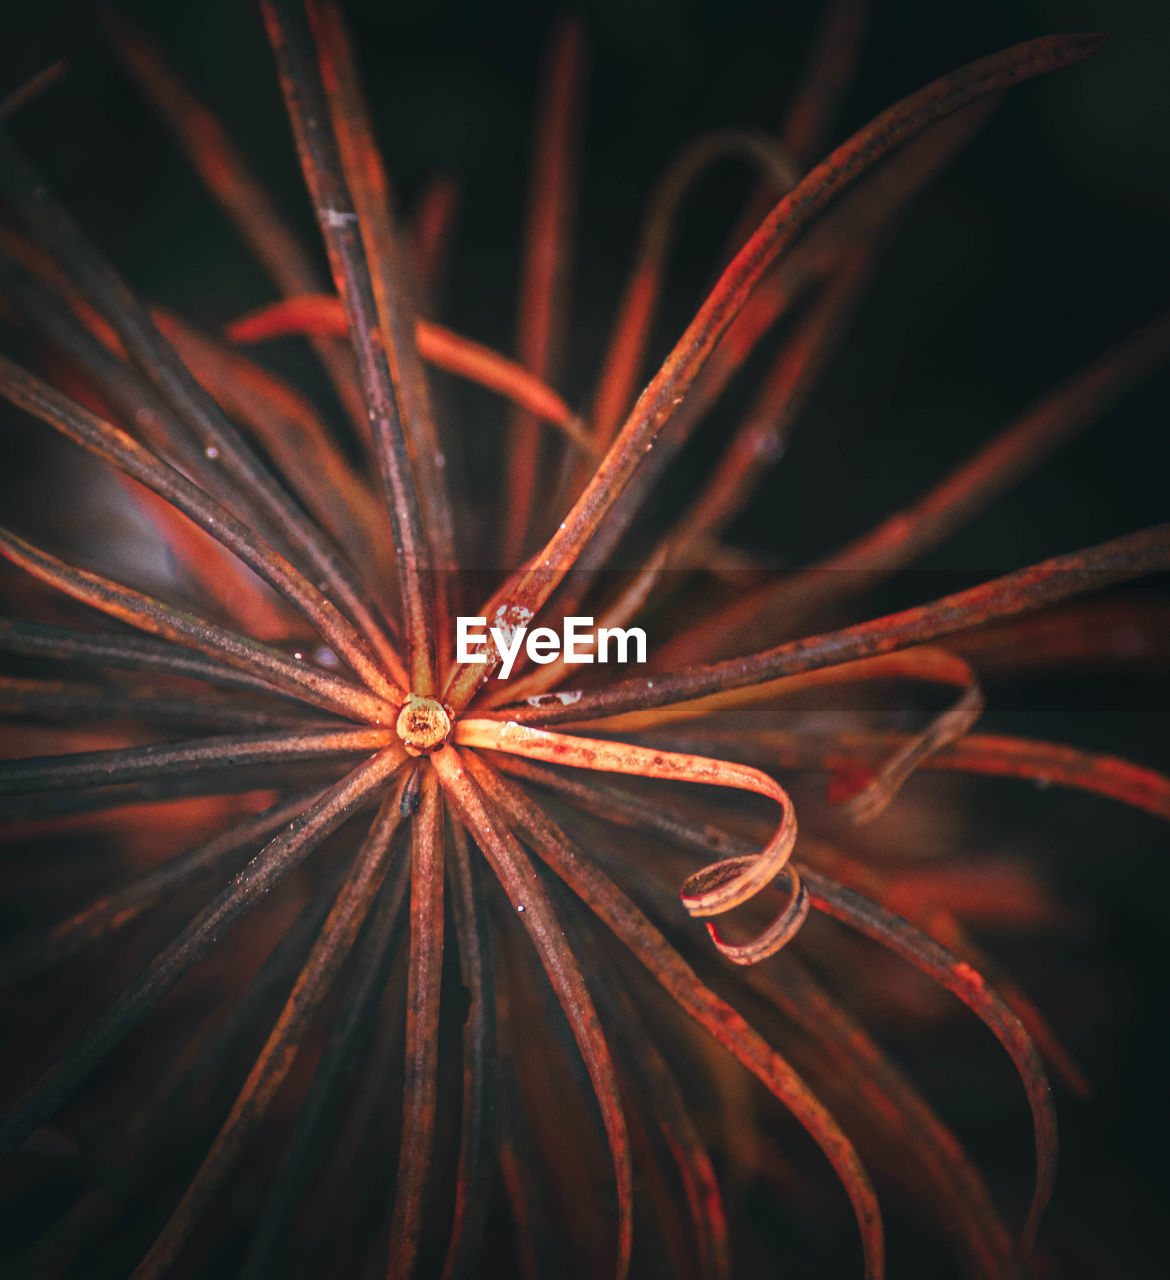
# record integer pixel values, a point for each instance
(992, 755)
(258, 878)
(900, 538)
(321, 163)
(126, 653)
(296, 437)
(544, 287)
(478, 1129)
(73, 701)
(349, 1034)
(114, 446)
(365, 176)
(148, 614)
(519, 880)
(635, 314)
(132, 764)
(332, 948)
(101, 286)
(442, 347)
(228, 177)
(957, 976)
(115, 911)
(420, 1092)
(1040, 585)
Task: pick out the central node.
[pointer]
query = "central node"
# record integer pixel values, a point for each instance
(423, 724)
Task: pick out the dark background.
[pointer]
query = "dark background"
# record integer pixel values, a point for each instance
(1045, 242)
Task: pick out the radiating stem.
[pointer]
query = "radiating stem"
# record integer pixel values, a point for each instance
(258, 878)
(522, 885)
(148, 614)
(229, 179)
(631, 330)
(125, 652)
(365, 176)
(308, 112)
(134, 764)
(479, 1124)
(275, 1060)
(542, 319)
(991, 755)
(761, 439)
(424, 984)
(349, 1034)
(75, 702)
(440, 346)
(113, 445)
(298, 439)
(900, 538)
(116, 910)
(104, 289)
(957, 976)
(1036, 587)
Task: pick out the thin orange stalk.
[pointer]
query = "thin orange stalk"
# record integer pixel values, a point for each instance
(716, 889)
(519, 880)
(544, 287)
(442, 347)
